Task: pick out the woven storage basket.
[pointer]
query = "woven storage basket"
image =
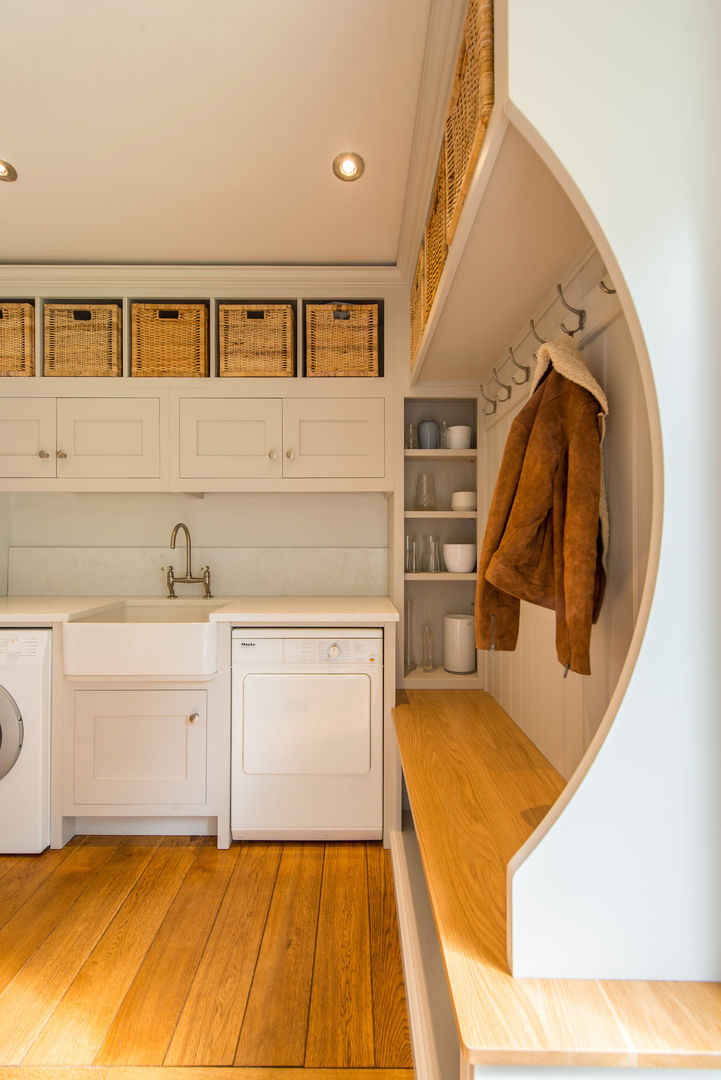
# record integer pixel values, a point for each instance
(418, 303)
(342, 339)
(256, 339)
(436, 247)
(169, 340)
(470, 106)
(17, 339)
(82, 339)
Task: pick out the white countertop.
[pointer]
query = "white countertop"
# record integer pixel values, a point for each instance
(241, 610)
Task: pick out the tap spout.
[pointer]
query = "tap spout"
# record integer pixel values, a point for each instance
(188, 554)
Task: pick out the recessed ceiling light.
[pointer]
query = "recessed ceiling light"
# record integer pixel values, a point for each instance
(348, 166)
(7, 171)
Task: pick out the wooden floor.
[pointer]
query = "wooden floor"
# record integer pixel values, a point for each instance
(143, 952)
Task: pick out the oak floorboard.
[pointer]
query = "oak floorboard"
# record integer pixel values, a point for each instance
(145, 1022)
(24, 875)
(122, 1072)
(30, 998)
(340, 1022)
(274, 1028)
(210, 1023)
(77, 1027)
(391, 1037)
(27, 929)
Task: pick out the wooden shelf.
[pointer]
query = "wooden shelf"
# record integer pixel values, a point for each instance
(443, 575)
(438, 514)
(442, 455)
(478, 788)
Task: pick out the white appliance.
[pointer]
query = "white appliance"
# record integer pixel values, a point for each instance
(24, 741)
(307, 734)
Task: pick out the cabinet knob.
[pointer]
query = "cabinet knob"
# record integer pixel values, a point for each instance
(61, 454)
(43, 454)
(290, 454)
(273, 454)
(193, 718)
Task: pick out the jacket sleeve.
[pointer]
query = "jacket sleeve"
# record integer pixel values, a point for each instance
(580, 532)
(498, 613)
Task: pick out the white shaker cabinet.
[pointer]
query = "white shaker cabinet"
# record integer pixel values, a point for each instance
(224, 441)
(80, 438)
(137, 750)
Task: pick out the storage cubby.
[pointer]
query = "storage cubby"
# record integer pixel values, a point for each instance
(433, 595)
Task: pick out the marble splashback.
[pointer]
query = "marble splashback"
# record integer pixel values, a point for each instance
(254, 571)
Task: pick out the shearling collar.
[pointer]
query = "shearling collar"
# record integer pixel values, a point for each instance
(564, 357)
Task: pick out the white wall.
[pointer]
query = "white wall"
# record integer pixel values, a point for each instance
(4, 541)
(626, 881)
(254, 543)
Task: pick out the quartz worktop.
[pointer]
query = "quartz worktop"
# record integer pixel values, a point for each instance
(239, 610)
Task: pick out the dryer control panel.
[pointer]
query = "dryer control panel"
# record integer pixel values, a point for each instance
(24, 648)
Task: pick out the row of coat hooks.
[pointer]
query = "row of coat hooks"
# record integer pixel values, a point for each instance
(506, 389)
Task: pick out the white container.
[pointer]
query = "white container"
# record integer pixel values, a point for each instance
(463, 500)
(459, 437)
(459, 558)
(459, 644)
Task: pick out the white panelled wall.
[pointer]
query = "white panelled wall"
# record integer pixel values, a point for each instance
(270, 543)
(561, 715)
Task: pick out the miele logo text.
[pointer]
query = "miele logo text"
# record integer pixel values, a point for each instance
(248, 644)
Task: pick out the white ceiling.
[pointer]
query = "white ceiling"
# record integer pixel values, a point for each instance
(172, 131)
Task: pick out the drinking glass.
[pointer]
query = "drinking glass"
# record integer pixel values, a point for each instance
(427, 647)
(425, 492)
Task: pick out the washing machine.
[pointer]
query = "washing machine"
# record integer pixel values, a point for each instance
(24, 741)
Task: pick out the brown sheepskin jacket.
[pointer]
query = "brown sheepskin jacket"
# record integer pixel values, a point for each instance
(546, 532)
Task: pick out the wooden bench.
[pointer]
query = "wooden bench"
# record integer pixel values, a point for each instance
(477, 789)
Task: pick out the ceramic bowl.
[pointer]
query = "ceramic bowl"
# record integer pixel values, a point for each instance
(459, 558)
(459, 437)
(463, 500)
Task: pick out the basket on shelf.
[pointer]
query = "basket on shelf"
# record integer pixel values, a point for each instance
(17, 338)
(256, 340)
(169, 340)
(342, 339)
(82, 339)
(418, 303)
(436, 247)
(469, 108)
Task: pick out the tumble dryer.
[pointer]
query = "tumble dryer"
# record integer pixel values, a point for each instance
(24, 741)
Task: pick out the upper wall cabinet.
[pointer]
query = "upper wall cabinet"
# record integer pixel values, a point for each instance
(86, 438)
(222, 442)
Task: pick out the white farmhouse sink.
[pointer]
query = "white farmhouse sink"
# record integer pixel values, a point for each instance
(144, 637)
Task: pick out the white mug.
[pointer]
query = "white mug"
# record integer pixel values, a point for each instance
(459, 437)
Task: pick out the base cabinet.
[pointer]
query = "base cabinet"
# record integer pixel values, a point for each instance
(137, 750)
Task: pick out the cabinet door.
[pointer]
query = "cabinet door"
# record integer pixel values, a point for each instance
(230, 437)
(108, 437)
(27, 437)
(140, 747)
(342, 437)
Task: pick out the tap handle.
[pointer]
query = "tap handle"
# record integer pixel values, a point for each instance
(170, 579)
(205, 571)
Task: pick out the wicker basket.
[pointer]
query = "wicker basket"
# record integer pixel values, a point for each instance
(256, 339)
(17, 339)
(82, 339)
(470, 106)
(418, 303)
(169, 340)
(342, 339)
(435, 245)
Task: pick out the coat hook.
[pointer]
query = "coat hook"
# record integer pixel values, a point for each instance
(522, 367)
(576, 311)
(491, 401)
(535, 334)
(606, 288)
(505, 386)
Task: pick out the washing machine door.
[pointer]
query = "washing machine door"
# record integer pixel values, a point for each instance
(11, 732)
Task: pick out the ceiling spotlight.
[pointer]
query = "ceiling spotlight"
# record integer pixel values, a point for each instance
(7, 171)
(348, 166)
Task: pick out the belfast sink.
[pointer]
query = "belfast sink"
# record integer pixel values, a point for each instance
(144, 638)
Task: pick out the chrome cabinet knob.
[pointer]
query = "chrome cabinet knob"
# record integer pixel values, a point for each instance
(43, 454)
(273, 455)
(290, 454)
(61, 454)
(193, 718)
